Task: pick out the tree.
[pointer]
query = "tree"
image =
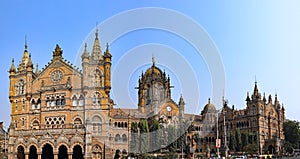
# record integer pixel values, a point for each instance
(245, 140)
(155, 135)
(144, 136)
(134, 142)
(251, 148)
(238, 140)
(232, 142)
(171, 138)
(292, 135)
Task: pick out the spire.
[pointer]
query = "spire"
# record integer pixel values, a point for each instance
(29, 64)
(57, 53)
(181, 101)
(12, 67)
(270, 98)
(25, 57)
(25, 42)
(96, 52)
(208, 101)
(248, 98)
(85, 53)
(37, 69)
(255, 89)
(264, 98)
(107, 52)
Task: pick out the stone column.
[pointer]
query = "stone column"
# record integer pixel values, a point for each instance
(55, 155)
(39, 155)
(70, 155)
(26, 155)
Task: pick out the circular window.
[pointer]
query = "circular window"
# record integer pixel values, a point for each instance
(56, 76)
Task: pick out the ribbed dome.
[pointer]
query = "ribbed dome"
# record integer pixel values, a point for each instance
(153, 70)
(209, 108)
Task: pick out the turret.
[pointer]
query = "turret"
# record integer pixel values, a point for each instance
(12, 72)
(107, 66)
(12, 69)
(85, 59)
(181, 106)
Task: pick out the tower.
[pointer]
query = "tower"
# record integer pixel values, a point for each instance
(96, 82)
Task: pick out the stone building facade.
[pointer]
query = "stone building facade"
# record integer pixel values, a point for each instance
(61, 112)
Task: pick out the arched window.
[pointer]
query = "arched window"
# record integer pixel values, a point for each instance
(118, 138)
(57, 101)
(77, 123)
(23, 122)
(97, 124)
(81, 100)
(48, 102)
(52, 101)
(62, 101)
(35, 124)
(74, 101)
(33, 104)
(20, 87)
(38, 104)
(96, 99)
(124, 138)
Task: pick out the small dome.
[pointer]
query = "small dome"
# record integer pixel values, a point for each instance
(208, 108)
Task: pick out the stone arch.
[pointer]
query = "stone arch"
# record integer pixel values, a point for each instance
(43, 143)
(62, 152)
(77, 152)
(20, 152)
(62, 143)
(47, 151)
(33, 152)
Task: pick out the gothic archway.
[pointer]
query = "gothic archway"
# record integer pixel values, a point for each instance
(47, 152)
(62, 152)
(77, 152)
(33, 152)
(271, 149)
(21, 152)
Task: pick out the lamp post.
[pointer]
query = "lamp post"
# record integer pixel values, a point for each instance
(225, 135)
(217, 141)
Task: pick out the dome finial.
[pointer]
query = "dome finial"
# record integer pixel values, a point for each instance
(153, 60)
(25, 42)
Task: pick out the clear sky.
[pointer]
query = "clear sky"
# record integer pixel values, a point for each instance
(253, 38)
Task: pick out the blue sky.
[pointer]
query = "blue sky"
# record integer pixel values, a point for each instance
(254, 38)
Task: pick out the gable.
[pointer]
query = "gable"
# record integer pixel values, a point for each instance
(58, 73)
